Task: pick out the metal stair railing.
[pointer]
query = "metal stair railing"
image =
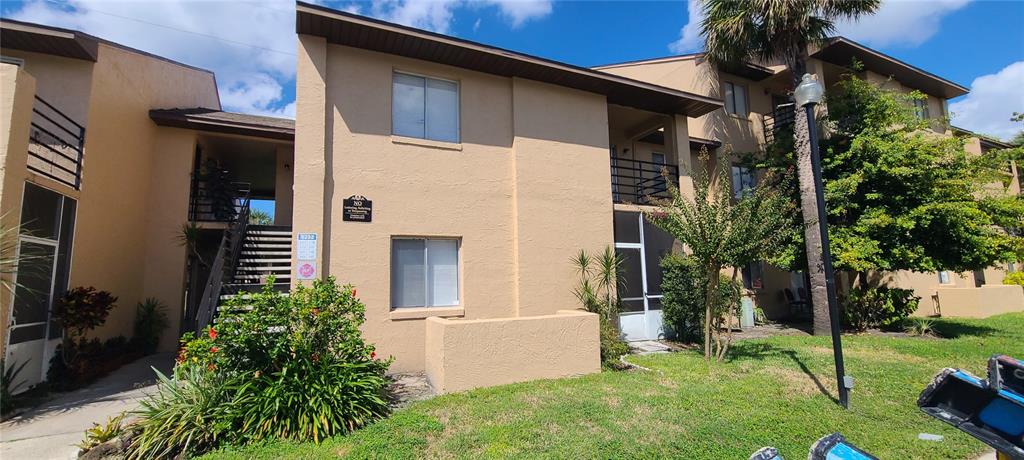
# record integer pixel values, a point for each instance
(224, 266)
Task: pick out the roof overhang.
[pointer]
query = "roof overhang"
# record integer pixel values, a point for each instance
(987, 143)
(842, 52)
(48, 40)
(361, 32)
(217, 121)
(747, 70)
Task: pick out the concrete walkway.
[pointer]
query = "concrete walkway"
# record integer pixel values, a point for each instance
(51, 430)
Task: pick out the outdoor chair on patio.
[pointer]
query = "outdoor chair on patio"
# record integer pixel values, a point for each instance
(798, 306)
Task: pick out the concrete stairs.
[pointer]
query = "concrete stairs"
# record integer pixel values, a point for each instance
(266, 250)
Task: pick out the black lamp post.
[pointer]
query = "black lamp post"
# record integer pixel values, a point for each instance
(808, 94)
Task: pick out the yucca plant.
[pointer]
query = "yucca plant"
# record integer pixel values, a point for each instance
(921, 327)
(186, 416)
(103, 432)
(8, 385)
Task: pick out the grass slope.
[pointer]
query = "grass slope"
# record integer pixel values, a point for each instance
(777, 391)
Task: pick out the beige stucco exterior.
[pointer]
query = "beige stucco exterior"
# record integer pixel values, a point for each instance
(466, 354)
(531, 156)
(17, 92)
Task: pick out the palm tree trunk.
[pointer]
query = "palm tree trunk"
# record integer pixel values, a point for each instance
(809, 210)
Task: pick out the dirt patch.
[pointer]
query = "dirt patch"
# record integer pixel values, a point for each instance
(408, 388)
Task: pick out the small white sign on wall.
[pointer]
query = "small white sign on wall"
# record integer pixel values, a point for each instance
(306, 246)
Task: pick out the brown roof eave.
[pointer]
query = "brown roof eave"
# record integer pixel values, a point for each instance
(48, 40)
(207, 121)
(365, 33)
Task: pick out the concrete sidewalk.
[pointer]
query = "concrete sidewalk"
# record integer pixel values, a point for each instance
(51, 430)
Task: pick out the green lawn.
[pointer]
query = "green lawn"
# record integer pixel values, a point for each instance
(773, 392)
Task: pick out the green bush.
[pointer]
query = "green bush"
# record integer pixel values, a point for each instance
(1014, 278)
(683, 284)
(612, 345)
(288, 367)
(881, 307)
(150, 322)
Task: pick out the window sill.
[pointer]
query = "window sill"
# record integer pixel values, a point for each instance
(426, 312)
(426, 143)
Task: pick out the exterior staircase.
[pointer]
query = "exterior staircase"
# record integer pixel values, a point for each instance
(266, 250)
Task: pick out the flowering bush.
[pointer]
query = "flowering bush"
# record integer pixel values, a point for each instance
(292, 367)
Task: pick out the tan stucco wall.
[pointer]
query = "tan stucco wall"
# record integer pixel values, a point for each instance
(466, 354)
(530, 154)
(63, 82)
(981, 302)
(283, 195)
(135, 184)
(17, 92)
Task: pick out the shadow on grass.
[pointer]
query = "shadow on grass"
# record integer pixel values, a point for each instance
(954, 329)
(806, 370)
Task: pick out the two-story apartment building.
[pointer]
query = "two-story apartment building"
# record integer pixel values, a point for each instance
(449, 181)
(103, 153)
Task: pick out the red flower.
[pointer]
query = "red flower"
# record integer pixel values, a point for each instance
(354, 292)
(214, 349)
(211, 367)
(213, 334)
(373, 355)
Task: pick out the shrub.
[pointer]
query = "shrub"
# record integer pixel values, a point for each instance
(83, 309)
(184, 417)
(877, 307)
(102, 432)
(291, 367)
(150, 322)
(596, 290)
(683, 286)
(612, 345)
(920, 327)
(1014, 278)
(92, 360)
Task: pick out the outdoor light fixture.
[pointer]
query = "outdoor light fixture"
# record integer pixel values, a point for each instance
(808, 94)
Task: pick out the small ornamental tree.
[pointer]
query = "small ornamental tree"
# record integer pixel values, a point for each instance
(720, 232)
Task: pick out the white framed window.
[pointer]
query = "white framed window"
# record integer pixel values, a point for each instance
(424, 272)
(424, 107)
(735, 96)
(921, 109)
(945, 277)
(743, 181)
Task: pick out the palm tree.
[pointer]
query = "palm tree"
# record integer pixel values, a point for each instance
(781, 30)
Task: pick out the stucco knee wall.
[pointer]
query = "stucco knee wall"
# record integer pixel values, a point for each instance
(467, 354)
(981, 302)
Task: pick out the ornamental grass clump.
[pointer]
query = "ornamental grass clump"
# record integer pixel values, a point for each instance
(275, 366)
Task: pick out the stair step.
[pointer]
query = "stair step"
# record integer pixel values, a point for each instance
(268, 233)
(267, 253)
(265, 268)
(266, 261)
(257, 277)
(247, 295)
(282, 228)
(234, 288)
(278, 239)
(262, 246)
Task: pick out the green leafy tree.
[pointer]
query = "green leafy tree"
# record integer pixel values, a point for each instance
(902, 197)
(720, 232)
(781, 30)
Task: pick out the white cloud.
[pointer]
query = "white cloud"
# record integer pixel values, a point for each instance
(690, 39)
(249, 77)
(438, 15)
(897, 22)
(900, 22)
(993, 98)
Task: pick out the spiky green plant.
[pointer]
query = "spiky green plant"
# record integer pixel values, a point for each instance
(103, 432)
(260, 217)
(8, 385)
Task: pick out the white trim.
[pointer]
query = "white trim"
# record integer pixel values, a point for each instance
(458, 108)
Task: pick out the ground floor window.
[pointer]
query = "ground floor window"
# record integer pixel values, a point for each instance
(424, 272)
(753, 276)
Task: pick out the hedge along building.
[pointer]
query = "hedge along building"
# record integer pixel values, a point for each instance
(102, 152)
(758, 108)
(486, 171)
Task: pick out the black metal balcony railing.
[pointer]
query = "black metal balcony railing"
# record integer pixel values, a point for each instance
(56, 145)
(779, 122)
(641, 182)
(217, 201)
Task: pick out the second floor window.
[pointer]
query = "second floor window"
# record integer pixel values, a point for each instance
(735, 99)
(743, 181)
(921, 109)
(425, 108)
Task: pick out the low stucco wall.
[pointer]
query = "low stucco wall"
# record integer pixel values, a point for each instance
(981, 302)
(467, 354)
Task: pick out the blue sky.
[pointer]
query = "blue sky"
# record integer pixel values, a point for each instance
(251, 45)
